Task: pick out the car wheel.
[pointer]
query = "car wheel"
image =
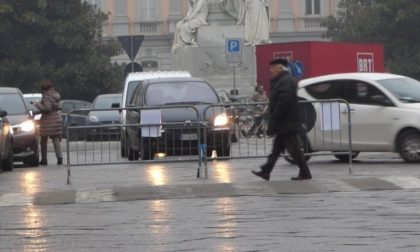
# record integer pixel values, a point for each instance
(304, 146)
(223, 151)
(33, 160)
(345, 157)
(234, 138)
(7, 164)
(146, 151)
(123, 147)
(132, 155)
(408, 145)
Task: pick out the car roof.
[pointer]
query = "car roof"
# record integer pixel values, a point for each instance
(9, 90)
(37, 95)
(174, 79)
(344, 76)
(108, 95)
(74, 101)
(138, 76)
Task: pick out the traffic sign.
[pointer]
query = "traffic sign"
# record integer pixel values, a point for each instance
(131, 44)
(234, 50)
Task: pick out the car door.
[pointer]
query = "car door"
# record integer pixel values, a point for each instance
(133, 116)
(371, 120)
(326, 133)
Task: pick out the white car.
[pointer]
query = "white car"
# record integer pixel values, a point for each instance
(384, 109)
(131, 82)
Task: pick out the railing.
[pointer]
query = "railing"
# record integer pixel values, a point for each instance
(204, 132)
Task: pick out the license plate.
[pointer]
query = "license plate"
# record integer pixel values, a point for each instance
(188, 137)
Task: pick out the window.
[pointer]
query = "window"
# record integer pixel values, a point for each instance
(147, 10)
(358, 92)
(324, 90)
(179, 93)
(313, 7)
(121, 8)
(406, 90)
(13, 104)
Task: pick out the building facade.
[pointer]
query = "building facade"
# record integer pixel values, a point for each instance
(291, 20)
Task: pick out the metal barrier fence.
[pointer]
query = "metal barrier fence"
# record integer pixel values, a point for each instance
(201, 133)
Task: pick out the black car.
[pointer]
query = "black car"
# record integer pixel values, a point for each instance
(25, 135)
(102, 115)
(6, 141)
(180, 138)
(76, 118)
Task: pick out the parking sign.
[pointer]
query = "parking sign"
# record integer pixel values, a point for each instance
(234, 50)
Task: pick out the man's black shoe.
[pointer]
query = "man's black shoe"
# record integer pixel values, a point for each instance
(59, 161)
(302, 178)
(262, 174)
(43, 162)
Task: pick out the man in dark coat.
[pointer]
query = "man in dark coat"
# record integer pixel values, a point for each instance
(50, 123)
(284, 121)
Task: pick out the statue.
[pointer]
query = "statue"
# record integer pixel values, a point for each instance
(255, 15)
(186, 29)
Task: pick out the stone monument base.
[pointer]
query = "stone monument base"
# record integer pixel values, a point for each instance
(208, 59)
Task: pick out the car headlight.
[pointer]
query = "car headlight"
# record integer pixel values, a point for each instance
(26, 126)
(93, 119)
(221, 120)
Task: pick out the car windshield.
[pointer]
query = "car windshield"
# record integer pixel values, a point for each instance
(13, 104)
(180, 93)
(405, 89)
(106, 102)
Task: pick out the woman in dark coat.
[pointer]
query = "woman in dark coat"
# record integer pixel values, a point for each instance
(50, 122)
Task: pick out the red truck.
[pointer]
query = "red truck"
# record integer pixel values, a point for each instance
(321, 58)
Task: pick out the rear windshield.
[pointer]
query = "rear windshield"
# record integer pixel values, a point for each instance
(13, 104)
(180, 92)
(106, 102)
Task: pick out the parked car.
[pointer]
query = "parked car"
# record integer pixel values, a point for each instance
(104, 117)
(77, 118)
(180, 139)
(385, 112)
(25, 137)
(30, 99)
(131, 82)
(6, 143)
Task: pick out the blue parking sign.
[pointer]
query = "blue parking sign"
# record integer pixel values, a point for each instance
(234, 50)
(234, 45)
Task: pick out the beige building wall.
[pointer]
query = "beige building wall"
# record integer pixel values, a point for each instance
(156, 20)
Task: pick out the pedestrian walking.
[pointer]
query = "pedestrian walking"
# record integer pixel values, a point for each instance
(284, 121)
(50, 122)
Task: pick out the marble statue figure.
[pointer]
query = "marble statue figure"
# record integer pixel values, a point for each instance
(255, 15)
(186, 29)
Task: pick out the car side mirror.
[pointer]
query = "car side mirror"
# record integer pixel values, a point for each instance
(115, 105)
(3, 113)
(381, 99)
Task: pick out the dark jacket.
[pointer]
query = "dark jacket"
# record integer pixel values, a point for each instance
(49, 106)
(283, 105)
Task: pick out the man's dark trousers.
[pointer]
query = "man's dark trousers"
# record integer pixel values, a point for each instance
(290, 142)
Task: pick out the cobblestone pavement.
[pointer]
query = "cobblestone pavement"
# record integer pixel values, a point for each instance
(351, 221)
(163, 207)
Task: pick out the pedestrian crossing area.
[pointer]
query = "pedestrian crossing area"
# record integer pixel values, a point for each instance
(211, 190)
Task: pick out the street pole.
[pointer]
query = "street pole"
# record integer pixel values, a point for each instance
(132, 52)
(234, 80)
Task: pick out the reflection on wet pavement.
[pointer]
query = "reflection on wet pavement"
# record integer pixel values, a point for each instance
(222, 172)
(33, 230)
(157, 175)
